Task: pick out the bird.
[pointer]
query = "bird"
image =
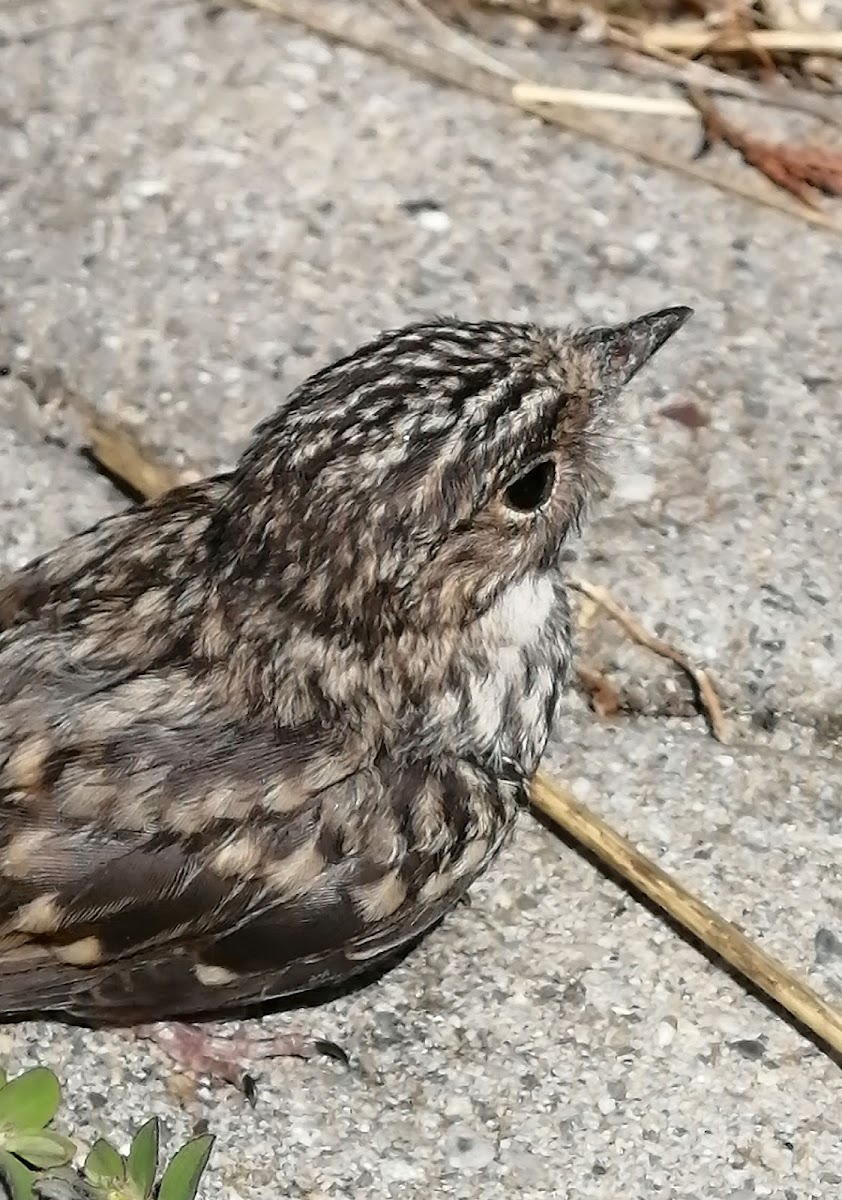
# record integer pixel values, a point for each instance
(263, 732)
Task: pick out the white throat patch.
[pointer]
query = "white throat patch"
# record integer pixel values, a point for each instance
(519, 615)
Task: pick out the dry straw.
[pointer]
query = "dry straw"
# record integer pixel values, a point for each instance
(486, 76)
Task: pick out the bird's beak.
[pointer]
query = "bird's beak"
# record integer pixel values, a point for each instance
(624, 349)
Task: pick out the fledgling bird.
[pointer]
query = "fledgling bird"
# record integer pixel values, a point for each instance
(261, 733)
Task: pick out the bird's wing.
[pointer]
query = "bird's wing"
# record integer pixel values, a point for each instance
(158, 857)
(113, 562)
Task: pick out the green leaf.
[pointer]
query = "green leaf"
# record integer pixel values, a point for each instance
(41, 1149)
(30, 1101)
(16, 1176)
(142, 1162)
(3, 1077)
(104, 1165)
(183, 1175)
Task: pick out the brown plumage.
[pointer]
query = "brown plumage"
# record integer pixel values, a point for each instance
(261, 733)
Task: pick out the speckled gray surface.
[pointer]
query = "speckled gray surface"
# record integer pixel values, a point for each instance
(195, 213)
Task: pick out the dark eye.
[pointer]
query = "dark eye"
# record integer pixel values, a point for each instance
(532, 489)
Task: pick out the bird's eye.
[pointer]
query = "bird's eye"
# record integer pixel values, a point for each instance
(532, 489)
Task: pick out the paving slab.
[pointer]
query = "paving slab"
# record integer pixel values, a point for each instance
(194, 214)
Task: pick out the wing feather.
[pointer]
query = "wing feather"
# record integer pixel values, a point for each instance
(158, 857)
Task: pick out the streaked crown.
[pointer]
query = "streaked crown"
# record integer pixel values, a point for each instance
(444, 457)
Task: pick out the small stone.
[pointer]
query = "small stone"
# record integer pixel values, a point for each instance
(434, 220)
(467, 1150)
(814, 380)
(400, 1170)
(581, 787)
(754, 407)
(387, 1025)
(458, 1105)
(150, 189)
(310, 50)
(647, 243)
(415, 206)
(665, 1034)
(606, 1105)
(686, 412)
(182, 1088)
(574, 995)
(636, 488)
(751, 1048)
(826, 946)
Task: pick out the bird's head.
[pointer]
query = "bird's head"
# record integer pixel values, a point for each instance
(411, 481)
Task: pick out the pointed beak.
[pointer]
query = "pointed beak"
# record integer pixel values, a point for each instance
(653, 329)
(624, 349)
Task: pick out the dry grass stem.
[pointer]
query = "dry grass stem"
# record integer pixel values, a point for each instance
(654, 106)
(460, 44)
(636, 631)
(698, 38)
(390, 45)
(801, 170)
(115, 449)
(652, 61)
(766, 973)
(605, 698)
(655, 155)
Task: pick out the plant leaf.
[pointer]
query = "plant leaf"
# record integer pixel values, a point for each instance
(183, 1175)
(142, 1162)
(15, 1176)
(3, 1077)
(30, 1101)
(104, 1165)
(42, 1148)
